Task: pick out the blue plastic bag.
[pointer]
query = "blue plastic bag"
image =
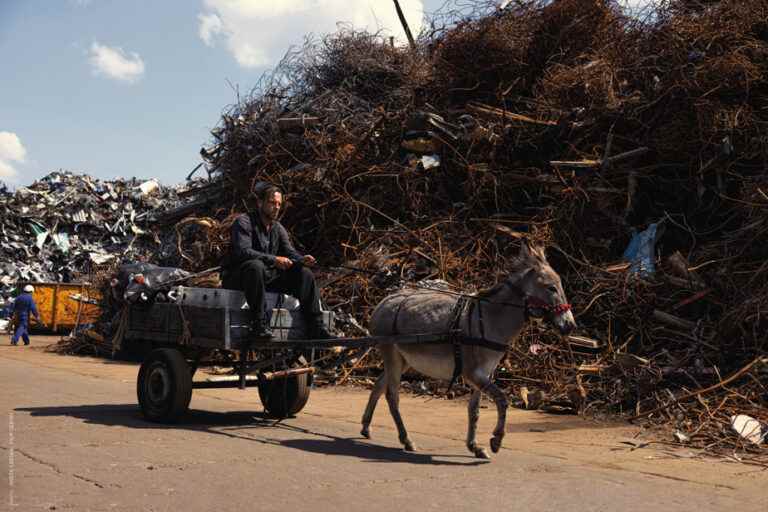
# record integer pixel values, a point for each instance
(640, 252)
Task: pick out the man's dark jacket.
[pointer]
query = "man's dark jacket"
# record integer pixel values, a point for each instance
(250, 240)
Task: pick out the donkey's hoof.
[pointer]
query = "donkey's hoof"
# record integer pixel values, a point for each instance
(495, 444)
(409, 446)
(366, 432)
(482, 453)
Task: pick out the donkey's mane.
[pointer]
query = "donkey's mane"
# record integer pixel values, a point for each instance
(519, 270)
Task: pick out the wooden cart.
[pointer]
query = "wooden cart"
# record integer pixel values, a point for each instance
(209, 327)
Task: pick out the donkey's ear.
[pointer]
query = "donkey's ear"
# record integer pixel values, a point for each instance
(538, 253)
(532, 252)
(526, 250)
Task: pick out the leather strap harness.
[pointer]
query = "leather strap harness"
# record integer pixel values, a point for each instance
(456, 337)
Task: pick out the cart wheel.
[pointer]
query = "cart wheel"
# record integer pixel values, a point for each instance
(286, 396)
(164, 385)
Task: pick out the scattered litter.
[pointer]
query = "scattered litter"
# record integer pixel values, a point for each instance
(641, 251)
(749, 428)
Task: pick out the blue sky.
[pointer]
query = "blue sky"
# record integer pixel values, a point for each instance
(122, 88)
(130, 88)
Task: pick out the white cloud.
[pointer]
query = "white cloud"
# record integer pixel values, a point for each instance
(259, 32)
(210, 27)
(11, 151)
(113, 62)
(636, 7)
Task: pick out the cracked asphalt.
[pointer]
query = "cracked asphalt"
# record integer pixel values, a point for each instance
(72, 438)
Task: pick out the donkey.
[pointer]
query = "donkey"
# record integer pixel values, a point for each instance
(495, 316)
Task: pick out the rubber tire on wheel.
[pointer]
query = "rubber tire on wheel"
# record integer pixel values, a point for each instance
(164, 385)
(287, 396)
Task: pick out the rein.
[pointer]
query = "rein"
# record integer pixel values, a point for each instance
(529, 302)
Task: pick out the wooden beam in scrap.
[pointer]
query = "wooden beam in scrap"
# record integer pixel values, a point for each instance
(479, 108)
(583, 341)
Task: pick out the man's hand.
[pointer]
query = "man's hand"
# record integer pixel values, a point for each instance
(309, 260)
(283, 263)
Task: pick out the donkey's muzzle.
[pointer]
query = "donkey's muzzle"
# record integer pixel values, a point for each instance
(565, 322)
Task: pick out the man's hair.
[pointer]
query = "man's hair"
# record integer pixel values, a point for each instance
(265, 192)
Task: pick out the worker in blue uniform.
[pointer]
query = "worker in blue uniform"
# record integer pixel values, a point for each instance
(22, 307)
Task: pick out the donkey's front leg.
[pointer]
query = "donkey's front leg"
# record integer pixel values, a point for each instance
(500, 399)
(474, 415)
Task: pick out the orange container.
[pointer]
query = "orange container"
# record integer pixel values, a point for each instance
(59, 309)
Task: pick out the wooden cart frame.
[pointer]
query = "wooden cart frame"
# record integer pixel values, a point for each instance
(186, 338)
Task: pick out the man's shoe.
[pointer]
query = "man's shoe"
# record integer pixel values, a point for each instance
(261, 331)
(320, 332)
(13, 344)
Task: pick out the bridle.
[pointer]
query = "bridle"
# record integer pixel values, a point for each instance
(532, 304)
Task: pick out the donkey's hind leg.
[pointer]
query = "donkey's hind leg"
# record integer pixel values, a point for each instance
(394, 365)
(376, 392)
(474, 415)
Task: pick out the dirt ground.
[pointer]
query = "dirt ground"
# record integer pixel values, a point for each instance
(72, 438)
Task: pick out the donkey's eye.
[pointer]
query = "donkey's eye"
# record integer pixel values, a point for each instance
(552, 289)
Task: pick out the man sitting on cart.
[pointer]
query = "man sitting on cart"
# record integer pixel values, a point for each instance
(262, 258)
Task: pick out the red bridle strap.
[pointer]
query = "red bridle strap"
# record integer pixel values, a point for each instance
(540, 304)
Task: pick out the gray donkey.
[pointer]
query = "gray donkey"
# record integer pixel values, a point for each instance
(488, 321)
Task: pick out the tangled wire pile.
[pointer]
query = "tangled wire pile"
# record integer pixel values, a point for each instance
(566, 122)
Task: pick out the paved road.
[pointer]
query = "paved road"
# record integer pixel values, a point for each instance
(72, 439)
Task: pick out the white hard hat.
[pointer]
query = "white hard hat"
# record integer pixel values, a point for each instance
(29, 288)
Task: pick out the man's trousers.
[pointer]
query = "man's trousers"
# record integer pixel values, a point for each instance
(255, 279)
(21, 332)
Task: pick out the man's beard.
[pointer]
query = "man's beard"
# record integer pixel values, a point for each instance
(270, 215)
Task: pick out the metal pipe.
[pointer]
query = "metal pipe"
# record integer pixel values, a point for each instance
(287, 373)
(227, 381)
(405, 25)
(242, 368)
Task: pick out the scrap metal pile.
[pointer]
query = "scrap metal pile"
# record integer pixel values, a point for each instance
(635, 149)
(565, 122)
(66, 226)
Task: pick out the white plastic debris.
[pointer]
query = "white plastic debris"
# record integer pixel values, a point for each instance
(40, 239)
(430, 161)
(682, 437)
(62, 241)
(749, 428)
(100, 258)
(148, 187)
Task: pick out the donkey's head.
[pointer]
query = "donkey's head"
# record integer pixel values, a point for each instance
(543, 289)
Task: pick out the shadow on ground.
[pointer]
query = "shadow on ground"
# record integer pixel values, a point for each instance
(251, 426)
